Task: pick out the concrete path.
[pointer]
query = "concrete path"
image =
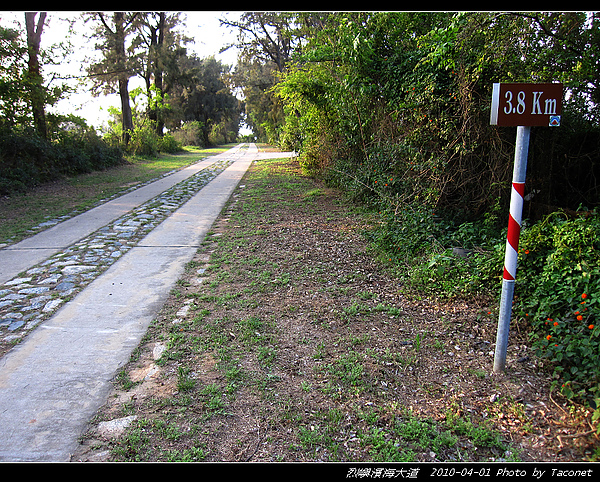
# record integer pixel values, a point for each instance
(60, 375)
(29, 252)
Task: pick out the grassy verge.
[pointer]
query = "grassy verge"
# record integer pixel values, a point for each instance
(21, 213)
(288, 339)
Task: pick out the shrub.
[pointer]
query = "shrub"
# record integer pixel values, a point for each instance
(168, 143)
(27, 159)
(190, 134)
(144, 141)
(558, 292)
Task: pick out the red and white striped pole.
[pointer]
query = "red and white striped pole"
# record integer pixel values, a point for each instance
(512, 246)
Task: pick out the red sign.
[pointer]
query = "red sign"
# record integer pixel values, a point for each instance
(526, 104)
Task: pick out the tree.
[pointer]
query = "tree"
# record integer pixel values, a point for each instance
(266, 41)
(34, 77)
(159, 66)
(202, 95)
(264, 114)
(265, 36)
(118, 63)
(14, 108)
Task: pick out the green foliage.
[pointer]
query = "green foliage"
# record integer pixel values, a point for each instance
(143, 141)
(410, 436)
(559, 295)
(204, 96)
(27, 160)
(168, 143)
(416, 87)
(189, 134)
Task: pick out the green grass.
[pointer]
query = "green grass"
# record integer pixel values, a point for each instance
(22, 212)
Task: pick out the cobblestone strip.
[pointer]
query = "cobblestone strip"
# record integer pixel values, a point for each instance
(33, 296)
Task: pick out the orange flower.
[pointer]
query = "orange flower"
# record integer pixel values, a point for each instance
(548, 337)
(526, 251)
(583, 296)
(556, 323)
(579, 318)
(591, 327)
(577, 312)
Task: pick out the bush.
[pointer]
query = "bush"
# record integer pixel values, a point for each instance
(558, 293)
(144, 141)
(190, 134)
(167, 143)
(27, 160)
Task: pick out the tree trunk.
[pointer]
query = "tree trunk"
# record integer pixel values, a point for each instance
(155, 60)
(126, 116)
(158, 73)
(34, 33)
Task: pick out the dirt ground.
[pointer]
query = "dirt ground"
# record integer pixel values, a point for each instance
(287, 339)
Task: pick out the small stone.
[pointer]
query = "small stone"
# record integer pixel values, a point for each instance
(64, 286)
(14, 296)
(158, 350)
(77, 269)
(34, 291)
(51, 279)
(38, 302)
(151, 372)
(15, 325)
(52, 305)
(183, 312)
(116, 427)
(46, 224)
(69, 262)
(18, 281)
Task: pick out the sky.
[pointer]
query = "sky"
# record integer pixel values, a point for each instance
(202, 26)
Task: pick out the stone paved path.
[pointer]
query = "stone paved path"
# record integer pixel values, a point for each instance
(81, 295)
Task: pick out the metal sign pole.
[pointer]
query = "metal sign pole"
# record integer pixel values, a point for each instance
(512, 245)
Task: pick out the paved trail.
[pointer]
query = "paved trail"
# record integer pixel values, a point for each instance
(53, 382)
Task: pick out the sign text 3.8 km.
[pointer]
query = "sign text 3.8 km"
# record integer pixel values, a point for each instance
(526, 104)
